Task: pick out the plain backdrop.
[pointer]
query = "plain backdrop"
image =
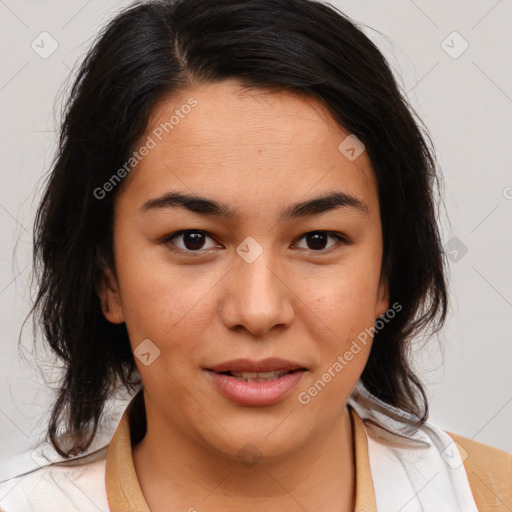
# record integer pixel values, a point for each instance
(453, 58)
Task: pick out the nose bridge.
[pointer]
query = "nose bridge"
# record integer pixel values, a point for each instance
(258, 298)
(256, 276)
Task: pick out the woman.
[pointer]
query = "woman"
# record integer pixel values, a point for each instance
(207, 149)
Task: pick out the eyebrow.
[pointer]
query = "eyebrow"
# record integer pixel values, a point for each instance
(210, 207)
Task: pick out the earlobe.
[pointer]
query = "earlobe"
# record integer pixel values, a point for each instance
(383, 298)
(110, 300)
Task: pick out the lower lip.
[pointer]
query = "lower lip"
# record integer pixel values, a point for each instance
(256, 393)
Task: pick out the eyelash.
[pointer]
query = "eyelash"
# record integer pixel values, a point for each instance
(168, 240)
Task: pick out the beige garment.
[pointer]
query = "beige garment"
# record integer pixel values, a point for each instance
(489, 473)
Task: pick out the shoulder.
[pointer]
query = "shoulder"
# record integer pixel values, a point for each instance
(470, 475)
(66, 486)
(489, 472)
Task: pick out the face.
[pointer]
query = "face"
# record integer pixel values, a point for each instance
(245, 272)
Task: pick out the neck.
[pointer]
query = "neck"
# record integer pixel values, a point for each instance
(174, 469)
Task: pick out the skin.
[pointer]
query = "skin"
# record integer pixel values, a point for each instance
(257, 151)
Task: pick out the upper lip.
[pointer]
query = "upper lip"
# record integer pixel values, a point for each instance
(265, 365)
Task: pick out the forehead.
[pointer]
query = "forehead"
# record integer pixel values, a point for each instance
(222, 139)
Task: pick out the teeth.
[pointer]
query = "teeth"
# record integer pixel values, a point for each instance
(258, 376)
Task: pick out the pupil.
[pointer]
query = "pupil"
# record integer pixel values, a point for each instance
(317, 238)
(193, 240)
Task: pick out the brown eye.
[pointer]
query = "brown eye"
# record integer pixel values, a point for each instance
(192, 240)
(316, 240)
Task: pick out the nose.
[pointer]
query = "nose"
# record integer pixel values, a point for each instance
(258, 296)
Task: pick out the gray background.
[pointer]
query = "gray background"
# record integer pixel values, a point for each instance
(466, 104)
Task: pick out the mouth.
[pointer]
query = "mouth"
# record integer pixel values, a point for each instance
(258, 376)
(254, 383)
(266, 369)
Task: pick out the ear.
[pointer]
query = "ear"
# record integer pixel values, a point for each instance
(382, 303)
(108, 293)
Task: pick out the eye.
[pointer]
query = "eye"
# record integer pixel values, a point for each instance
(192, 240)
(318, 239)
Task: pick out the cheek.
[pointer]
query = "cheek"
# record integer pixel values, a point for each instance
(344, 297)
(156, 295)
(164, 308)
(341, 308)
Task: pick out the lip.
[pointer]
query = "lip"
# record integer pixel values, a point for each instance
(255, 393)
(265, 365)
